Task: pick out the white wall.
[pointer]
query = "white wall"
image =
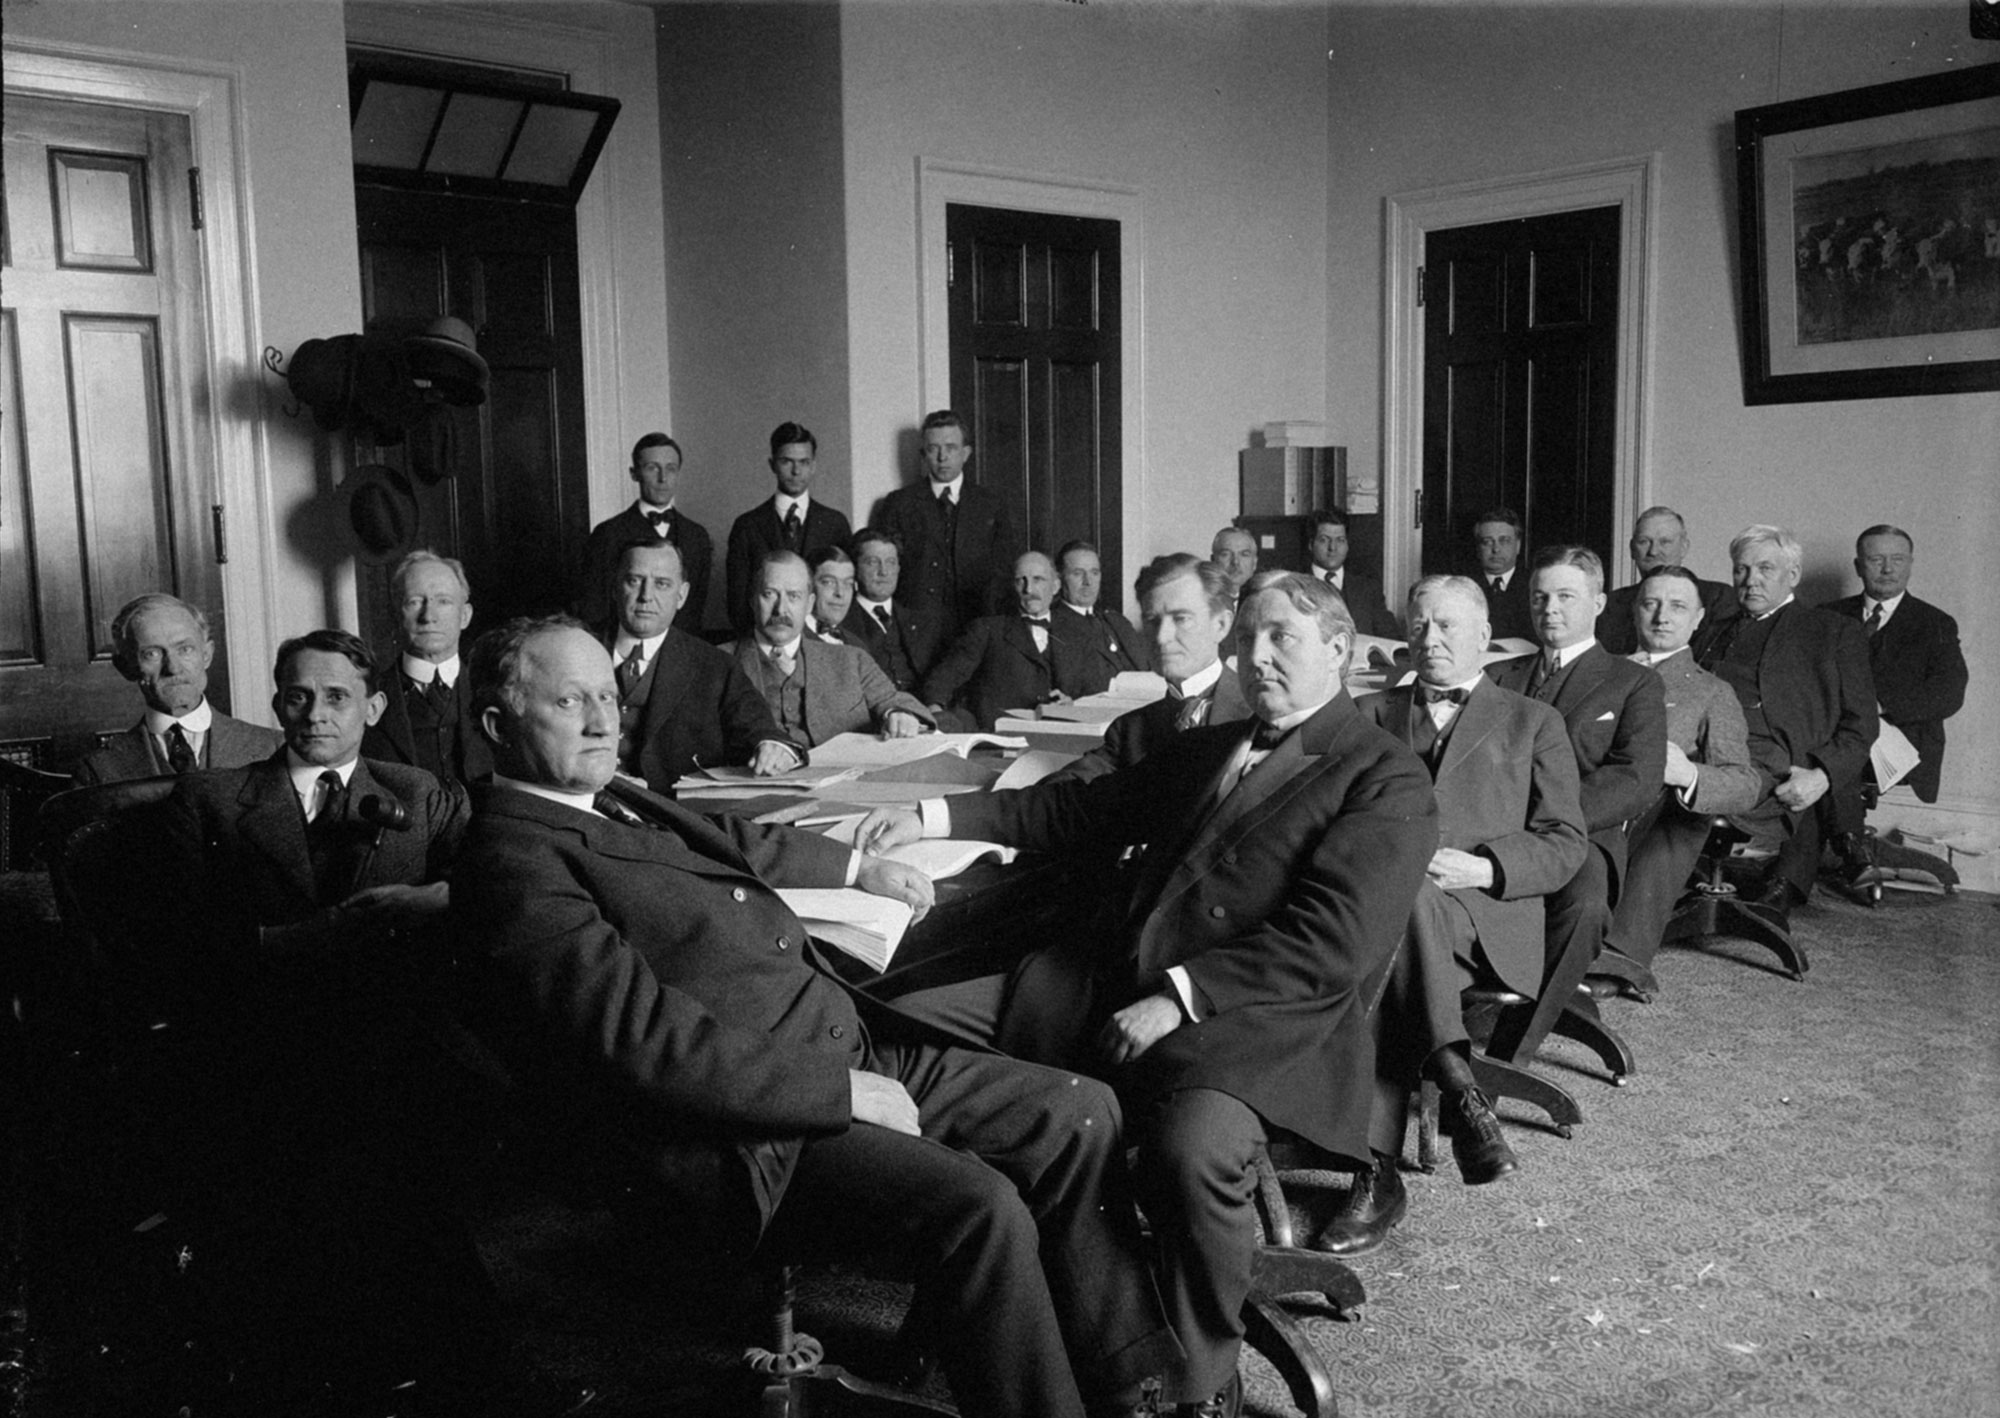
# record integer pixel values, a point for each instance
(1432, 95)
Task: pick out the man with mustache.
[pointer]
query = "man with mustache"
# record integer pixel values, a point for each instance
(1005, 662)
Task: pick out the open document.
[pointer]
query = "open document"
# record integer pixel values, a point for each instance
(864, 751)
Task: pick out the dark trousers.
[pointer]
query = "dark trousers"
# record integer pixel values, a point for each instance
(1421, 1011)
(1016, 1213)
(1662, 849)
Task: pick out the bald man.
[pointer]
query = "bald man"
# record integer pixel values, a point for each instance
(1004, 662)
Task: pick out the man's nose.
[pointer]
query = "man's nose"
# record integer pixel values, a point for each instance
(600, 718)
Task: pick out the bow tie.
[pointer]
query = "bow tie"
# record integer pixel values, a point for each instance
(1265, 737)
(660, 520)
(1035, 619)
(1428, 695)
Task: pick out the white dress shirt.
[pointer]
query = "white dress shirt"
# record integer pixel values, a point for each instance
(195, 725)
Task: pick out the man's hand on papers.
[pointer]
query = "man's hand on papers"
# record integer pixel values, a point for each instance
(773, 758)
(1802, 788)
(879, 876)
(901, 724)
(1454, 870)
(888, 827)
(1137, 1027)
(883, 1102)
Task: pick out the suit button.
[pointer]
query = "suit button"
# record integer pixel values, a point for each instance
(1217, 912)
(739, 894)
(784, 944)
(838, 1031)
(1229, 859)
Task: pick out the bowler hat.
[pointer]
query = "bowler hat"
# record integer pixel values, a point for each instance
(445, 358)
(382, 509)
(321, 376)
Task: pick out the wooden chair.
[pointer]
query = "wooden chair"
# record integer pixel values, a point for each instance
(1715, 905)
(795, 1381)
(1284, 1267)
(23, 790)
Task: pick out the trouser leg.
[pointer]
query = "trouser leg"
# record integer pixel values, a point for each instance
(1664, 849)
(1420, 1011)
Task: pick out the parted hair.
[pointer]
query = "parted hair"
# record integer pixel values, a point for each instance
(789, 432)
(1309, 595)
(656, 440)
(1582, 558)
(1162, 569)
(121, 626)
(328, 642)
(1765, 534)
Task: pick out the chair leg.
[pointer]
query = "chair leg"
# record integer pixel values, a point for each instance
(1581, 1021)
(1271, 1331)
(1762, 925)
(793, 1373)
(1427, 1127)
(1498, 1078)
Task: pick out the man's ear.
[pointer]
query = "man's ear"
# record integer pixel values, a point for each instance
(373, 707)
(490, 724)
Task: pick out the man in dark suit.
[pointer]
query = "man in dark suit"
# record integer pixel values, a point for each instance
(792, 519)
(958, 542)
(1913, 654)
(683, 704)
(1709, 772)
(426, 719)
(656, 468)
(162, 644)
(901, 638)
(1281, 858)
(1004, 662)
(630, 963)
(1808, 698)
(1659, 538)
(1511, 834)
(1187, 607)
(1104, 640)
(815, 690)
(1615, 714)
(1496, 551)
(1363, 594)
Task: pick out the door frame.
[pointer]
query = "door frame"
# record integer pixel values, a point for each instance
(1630, 184)
(235, 448)
(940, 183)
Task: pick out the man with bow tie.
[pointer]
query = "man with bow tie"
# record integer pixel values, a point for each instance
(1363, 594)
(426, 720)
(651, 992)
(162, 644)
(792, 520)
(1006, 662)
(1511, 834)
(1105, 642)
(1229, 994)
(656, 467)
(957, 538)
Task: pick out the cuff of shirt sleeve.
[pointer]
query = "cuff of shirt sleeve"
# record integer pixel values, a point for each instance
(798, 754)
(1686, 793)
(1184, 987)
(936, 815)
(853, 868)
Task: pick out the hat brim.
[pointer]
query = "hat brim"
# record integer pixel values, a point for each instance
(382, 512)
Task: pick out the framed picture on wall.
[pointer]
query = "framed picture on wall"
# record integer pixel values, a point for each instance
(1870, 231)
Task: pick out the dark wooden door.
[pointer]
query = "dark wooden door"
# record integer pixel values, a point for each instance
(515, 508)
(1520, 375)
(1035, 368)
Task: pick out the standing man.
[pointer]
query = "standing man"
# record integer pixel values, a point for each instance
(902, 640)
(1496, 550)
(632, 965)
(1913, 653)
(1104, 640)
(656, 468)
(1004, 662)
(815, 690)
(683, 704)
(1234, 552)
(1363, 594)
(161, 643)
(1659, 538)
(792, 520)
(1282, 857)
(957, 538)
(1187, 608)
(426, 721)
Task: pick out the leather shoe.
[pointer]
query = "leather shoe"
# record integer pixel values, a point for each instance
(1374, 1205)
(1778, 894)
(1225, 1402)
(1477, 1144)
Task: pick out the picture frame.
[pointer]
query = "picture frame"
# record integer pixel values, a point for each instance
(1869, 232)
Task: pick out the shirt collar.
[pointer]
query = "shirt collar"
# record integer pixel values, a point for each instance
(305, 776)
(1647, 657)
(623, 649)
(771, 649)
(872, 606)
(1299, 716)
(1868, 603)
(1506, 578)
(423, 671)
(1468, 685)
(195, 721)
(939, 489)
(785, 504)
(1336, 577)
(1567, 657)
(1789, 598)
(1080, 610)
(651, 509)
(582, 802)
(1200, 682)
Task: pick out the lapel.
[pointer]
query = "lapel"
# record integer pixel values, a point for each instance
(693, 844)
(1586, 672)
(671, 672)
(270, 821)
(1022, 641)
(138, 758)
(1481, 716)
(396, 719)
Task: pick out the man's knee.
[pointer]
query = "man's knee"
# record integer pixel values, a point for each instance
(1200, 1140)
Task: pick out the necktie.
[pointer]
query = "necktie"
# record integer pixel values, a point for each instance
(785, 657)
(630, 669)
(618, 812)
(327, 798)
(1265, 737)
(180, 753)
(323, 839)
(795, 529)
(1495, 587)
(1544, 671)
(1192, 714)
(888, 621)
(1873, 623)
(948, 504)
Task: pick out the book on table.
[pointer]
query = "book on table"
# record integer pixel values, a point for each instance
(867, 927)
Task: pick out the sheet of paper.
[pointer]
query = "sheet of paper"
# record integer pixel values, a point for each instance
(1143, 685)
(865, 751)
(1893, 755)
(812, 777)
(867, 927)
(1033, 766)
(1097, 709)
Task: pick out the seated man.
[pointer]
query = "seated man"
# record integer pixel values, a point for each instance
(656, 468)
(1496, 551)
(815, 690)
(1231, 1001)
(1616, 717)
(1187, 609)
(1808, 699)
(831, 575)
(683, 704)
(426, 721)
(1105, 642)
(1511, 833)
(1234, 553)
(901, 638)
(631, 965)
(1708, 774)
(1005, 662)
(1363, 594)
(791, 519)
(1659, 539)
(162, 644)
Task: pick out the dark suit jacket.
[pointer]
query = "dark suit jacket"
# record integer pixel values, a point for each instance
(231, 744)
(655, 992)
(392, 738)
(986, 548)
(918, 634)
(1615, 631)
(759, 531)
(1508, 613)
(1818, 696)
(1132, 736)
(1920, 678)
(1106, 643)
(993, 667)
(595, 594)
(702, 711)
(1705, 720)
(1371, 612)
(845, 691)
(1615, 713)
(1283, 904)
(1507, 789)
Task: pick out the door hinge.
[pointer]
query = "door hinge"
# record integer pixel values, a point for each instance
(950, 266)
(1417, 517)
(221, 535)
(1420, 286)
(194, 198)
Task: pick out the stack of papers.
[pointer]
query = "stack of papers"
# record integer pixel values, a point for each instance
(936, 857)
(741, 781)
(864, 751)
(869, 928)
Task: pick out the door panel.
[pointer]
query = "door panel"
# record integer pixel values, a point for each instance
(115, 412)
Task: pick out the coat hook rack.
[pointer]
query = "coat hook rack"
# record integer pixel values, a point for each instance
(274, 360)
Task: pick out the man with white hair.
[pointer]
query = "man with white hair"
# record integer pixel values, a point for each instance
(426, 721)
(1808, 700)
